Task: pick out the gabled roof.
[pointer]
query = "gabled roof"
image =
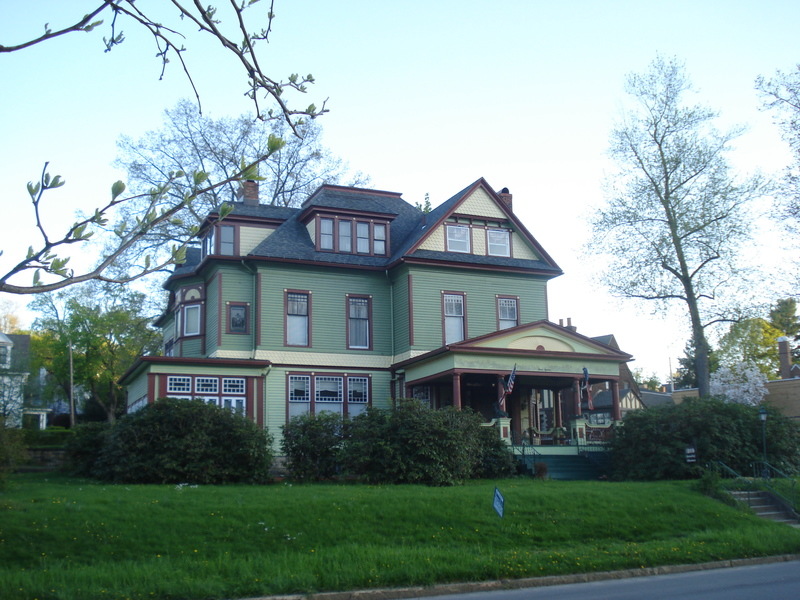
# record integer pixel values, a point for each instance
(409, 228)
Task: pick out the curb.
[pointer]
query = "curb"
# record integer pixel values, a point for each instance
(529, 582)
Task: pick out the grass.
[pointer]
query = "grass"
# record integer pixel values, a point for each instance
(71, 539)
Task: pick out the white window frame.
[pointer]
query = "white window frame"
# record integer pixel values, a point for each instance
(379, 231)
(357, 406)
(363, 237)
(206, 385)
(504, 322)
(235, 404)
(292, 318)
(501, 245)
(187, 322)
(458, 238)
(299, 405)
(181, 384)
(452, 317)
(233, 385)
(322, 403)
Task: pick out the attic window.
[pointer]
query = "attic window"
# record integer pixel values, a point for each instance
(498, 242)
(458, 238)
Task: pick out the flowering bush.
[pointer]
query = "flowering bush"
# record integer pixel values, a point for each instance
(743, 383)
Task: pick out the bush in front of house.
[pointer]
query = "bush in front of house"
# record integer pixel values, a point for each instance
(415, 444)
(13, 451)
(53, 437)
(650, 444)
(312, 445)
(185, 441)
(85, 447)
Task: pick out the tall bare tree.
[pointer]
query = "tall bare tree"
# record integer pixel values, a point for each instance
(189, 142)
(46, 261)
(675, 216)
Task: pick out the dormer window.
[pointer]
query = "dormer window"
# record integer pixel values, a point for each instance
(352, 236)
(220, 240)
(5, 357)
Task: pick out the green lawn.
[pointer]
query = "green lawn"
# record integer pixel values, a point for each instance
(73, 539)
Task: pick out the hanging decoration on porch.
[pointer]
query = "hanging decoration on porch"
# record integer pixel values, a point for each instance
(586, 389)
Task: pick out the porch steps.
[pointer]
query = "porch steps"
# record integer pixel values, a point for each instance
(766, 506)
(565, 467)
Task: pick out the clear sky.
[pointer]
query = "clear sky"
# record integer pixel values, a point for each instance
(425, 97)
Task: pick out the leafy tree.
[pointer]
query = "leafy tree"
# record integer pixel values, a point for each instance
(107, 329)
(9, 319)
(687, 374)
(190, 142)
(783, 316)
(752, 341)
(743, 383)
(650, 382)
(782, 96)
(45, 260)
(675, 217)
(650, 444)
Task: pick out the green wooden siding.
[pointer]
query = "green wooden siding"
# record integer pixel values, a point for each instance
(328, 288)
(401, 311)
(237, 287)
(211, 311)
(481, 289)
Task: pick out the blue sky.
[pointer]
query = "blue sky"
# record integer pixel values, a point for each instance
(425, 97)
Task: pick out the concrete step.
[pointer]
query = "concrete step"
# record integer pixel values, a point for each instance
(764, 505)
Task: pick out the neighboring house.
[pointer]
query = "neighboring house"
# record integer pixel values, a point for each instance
(358, 298)
(14, 357)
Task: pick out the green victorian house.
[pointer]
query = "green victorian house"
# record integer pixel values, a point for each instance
(358, 298)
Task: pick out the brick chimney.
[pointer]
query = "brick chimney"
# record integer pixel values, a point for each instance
(505, 196)
(785, 353)
(248, 192)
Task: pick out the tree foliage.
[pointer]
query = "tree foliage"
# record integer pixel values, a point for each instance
(751, 341)
(650, 444)
(47, 259)
(107, 328)
(675, 216)
(742, 382)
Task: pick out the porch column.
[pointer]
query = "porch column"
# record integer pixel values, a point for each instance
(557, 408)
(617, 413)
(457, 391)
(576, 391)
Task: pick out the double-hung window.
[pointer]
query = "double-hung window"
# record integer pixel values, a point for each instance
(326, 234)
(498, 242)
(507, 313)
(362, 237)
(453, 318)
(297, 319)
(226, 240)
(458, 238)
(357, 395)
(327, 394)
(191, 320)
(299, 395)
(345, 236)
(358, 322)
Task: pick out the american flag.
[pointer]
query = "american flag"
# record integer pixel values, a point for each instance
(510, 384)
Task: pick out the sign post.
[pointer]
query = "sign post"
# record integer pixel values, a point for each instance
(499, 502)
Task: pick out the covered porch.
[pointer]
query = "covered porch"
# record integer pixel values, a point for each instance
(555, 370)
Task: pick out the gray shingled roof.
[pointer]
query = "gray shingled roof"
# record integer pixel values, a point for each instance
(291, 241)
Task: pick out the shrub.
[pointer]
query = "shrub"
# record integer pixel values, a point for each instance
(185, 441)
(312, 445)
(650, 444)
(52, 436)
(415, 444)
(12, 451)
(85, 447)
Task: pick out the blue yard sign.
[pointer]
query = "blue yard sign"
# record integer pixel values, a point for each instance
(499, 502)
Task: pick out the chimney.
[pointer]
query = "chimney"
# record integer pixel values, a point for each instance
(505, 196)
(785, 353)
(570, 326)
(248, 192)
